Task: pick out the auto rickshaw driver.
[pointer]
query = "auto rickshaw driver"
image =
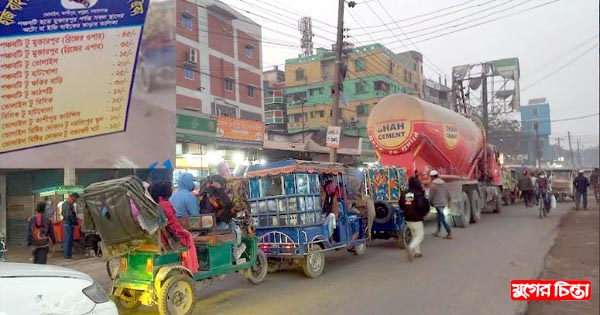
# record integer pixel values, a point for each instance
(329, 202)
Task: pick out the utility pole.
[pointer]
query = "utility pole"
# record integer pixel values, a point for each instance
(559, 147)
(579, 152)
(337, 80)
(571, 149)
(537, 145)
(484, 101)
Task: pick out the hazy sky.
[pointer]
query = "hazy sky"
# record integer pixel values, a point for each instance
(543, 39)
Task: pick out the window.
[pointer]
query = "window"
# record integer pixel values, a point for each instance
(251, 91)
(405, 75)
(250, 115)
(536, 126)
(224, 110)
(316, 91)
(299, 74)
(249, 51)
(360, 64)
(186, 20)
(360, 88)
(415, 66)
(362, 110)
(188, 73)
(228, 84)
(391, 68)
(534, 111)
(321, 113)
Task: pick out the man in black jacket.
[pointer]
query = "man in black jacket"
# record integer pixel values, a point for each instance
(581, 184)
(415, 207)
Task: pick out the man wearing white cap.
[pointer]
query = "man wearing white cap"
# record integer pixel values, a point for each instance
(439, 197)
(581, 184)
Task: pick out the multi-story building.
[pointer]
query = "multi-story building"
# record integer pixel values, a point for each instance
(437, 93)
(219, 84)
(275, 101)
(373, 72)
(535, 121)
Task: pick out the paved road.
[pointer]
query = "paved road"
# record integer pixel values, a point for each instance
(467, 275)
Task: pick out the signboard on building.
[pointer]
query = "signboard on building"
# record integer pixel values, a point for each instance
(232, 130)
(195, 128)
(66, 69)
(333, 136)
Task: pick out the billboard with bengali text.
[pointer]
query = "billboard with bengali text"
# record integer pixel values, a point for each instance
(239, 131)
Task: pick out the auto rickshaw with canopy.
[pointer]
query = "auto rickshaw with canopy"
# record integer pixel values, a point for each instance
(384, 184)
(562, 183)
(146, 262)
(285, 204)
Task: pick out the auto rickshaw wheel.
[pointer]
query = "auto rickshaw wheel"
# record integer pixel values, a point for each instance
(177, 296)
(273, 266)
(314, 262)
(404, 237)
(257, 273)
(360, 248)
(127, 306)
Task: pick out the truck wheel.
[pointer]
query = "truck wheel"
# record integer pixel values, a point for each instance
(476, 206)
(257, 273)
(314, 262)
(497, 207)
(383, 214)
(462, 220)
(177, 296)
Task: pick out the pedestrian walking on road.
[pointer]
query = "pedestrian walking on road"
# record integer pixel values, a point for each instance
(40, 234)
(69, 215)
(415, 207)
(525, 185)
(370, 215)
(581, 184)
(439, 197)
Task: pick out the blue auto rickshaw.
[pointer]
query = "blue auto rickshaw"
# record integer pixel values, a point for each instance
(285, 204)
(385, 184)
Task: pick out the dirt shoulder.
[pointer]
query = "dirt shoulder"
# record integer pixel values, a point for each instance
(574, 256)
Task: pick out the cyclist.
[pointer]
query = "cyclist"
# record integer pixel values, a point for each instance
(543, 186)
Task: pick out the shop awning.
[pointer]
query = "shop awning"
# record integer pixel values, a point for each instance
(289, 166)
(60, 190)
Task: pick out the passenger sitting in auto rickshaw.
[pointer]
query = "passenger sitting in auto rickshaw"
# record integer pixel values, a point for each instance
(330, 194)
(214, 199)
(160, 192)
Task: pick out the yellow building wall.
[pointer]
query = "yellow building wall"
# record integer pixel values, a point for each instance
(315, 121)
(312, 73)
(377, 63)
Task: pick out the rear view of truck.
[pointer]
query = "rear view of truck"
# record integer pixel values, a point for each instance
(420, 137)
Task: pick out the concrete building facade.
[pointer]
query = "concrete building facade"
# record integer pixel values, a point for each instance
(535, 121)
(373, 72)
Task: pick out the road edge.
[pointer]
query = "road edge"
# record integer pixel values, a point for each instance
(537, 273)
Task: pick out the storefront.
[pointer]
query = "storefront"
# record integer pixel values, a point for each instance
(217, 146)
(195, 143)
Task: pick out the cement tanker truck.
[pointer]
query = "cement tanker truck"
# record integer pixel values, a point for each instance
(418, 136)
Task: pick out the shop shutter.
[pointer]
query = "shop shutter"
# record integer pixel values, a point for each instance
(19, 208)
(47, 178)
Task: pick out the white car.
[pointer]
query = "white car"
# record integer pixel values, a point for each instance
(46, 289)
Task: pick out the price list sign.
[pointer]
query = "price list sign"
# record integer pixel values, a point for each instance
(66, 68)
